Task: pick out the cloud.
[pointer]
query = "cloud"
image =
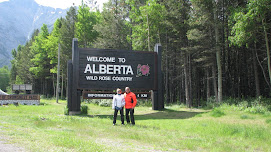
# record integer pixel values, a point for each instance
(3, 0)
(66, 3)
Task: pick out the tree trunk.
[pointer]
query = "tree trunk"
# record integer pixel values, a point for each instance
(167, 78)
(183, 87)
(257, 84)
(187, 96)
(267, 51)
(43, 91)
(219, 70)
(62, 84)
(218, 55)
(149, 45)
(214, 82)
(54, 85)
(131, 30)
(208, 84)
(190, 81)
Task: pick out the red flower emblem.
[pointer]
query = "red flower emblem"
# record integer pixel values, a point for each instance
(143, 70)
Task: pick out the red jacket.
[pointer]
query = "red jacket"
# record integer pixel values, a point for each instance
(128, 100)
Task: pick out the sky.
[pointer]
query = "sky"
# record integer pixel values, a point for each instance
(63, 3)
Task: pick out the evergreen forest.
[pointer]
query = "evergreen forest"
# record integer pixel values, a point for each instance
(212, 49)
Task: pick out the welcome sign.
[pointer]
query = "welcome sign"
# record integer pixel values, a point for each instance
(101, 69)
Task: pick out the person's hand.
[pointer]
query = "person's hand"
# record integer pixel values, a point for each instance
(133, 107)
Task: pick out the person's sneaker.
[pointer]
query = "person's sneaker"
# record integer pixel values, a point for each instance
(114, 124)
(123, 124)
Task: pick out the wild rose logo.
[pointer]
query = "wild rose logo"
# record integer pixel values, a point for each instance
(143, 70)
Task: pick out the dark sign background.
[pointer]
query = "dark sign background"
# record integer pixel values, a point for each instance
(132, 58)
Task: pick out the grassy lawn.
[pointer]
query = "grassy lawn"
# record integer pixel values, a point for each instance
(46, 128)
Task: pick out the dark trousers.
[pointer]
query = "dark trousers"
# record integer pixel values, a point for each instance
(131, 111)
(121, 116)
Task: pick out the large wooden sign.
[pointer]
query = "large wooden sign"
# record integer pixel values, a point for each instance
(101, 69)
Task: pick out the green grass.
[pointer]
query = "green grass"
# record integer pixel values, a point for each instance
(217, 113)
(46, 128)
(246, 117)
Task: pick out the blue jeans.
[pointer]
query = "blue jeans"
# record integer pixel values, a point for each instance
(121, 115)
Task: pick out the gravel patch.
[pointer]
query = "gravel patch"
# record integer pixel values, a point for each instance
(7, 147)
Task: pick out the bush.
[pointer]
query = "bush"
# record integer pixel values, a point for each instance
(66, 110)
(217, 113)
(105, 103)
(268, 121)
(211, 103)
(253, 106)
(100, 102)
(257, 107)
(144, 103)
(42, 97)
(246, 117)
(231, 101)
(84, 109)
(242, 105)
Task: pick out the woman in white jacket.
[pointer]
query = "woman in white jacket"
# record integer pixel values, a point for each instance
(117, 104)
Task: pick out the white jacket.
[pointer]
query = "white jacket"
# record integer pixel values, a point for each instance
(118, 100)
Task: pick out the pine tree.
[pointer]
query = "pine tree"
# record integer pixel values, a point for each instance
(86, 20)
(112, 26)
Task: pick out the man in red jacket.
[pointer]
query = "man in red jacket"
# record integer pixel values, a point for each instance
(130, 103)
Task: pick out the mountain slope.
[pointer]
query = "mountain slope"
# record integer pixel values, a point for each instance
(18, 19)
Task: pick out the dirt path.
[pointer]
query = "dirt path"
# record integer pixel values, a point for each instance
(7, 147)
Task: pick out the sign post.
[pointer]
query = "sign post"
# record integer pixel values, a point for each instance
(104, 69)
(158, 95)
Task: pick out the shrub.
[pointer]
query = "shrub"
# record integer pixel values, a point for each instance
(253, 106)
(84, 109)
(257, 107)
(268, 121)
(43, 103)
(246, 117)
(66, 110)
(242, 105)
(231, 101)
(105, 103)
(144, 103)
(211, 103)
(217, 112)
(100, 102)
(94, 101)
(42, 97)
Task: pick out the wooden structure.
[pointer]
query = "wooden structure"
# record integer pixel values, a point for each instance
(20, 99)
(105, 70)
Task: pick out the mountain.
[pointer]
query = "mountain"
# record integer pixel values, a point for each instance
(18, 20)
